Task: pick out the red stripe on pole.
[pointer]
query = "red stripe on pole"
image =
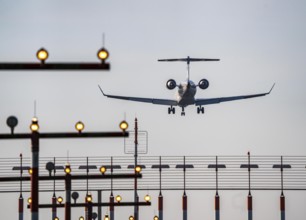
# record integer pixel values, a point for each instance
(282, 203)
(160, 203)
(20, 205)
(217, 202)
(34, 189)
(250, 206)
(184, 202)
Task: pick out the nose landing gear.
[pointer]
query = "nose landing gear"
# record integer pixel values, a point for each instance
(183, 112)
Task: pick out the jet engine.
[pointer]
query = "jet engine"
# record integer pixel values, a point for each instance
(171, 84)
(203, 84)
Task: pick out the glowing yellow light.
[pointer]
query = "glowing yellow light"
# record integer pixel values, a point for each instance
(131, 217)
(103, 169)
(89, 198)
(67, 169)
(155, 217)
(103, 54)
(56, 218)
(147, 198)
(30, 171)
(34, 125)
(118, 198)
(123, 125)
(79, 126)
(60, 200)
(81, 218)
(42, 54)
(29, 200)
(138, 169)
(106, 217)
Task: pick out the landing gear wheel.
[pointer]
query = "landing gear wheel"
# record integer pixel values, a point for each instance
(183, 114)
(171, 110)
(200, 110)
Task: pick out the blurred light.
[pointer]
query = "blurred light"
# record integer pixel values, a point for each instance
(67, 169)
(106, 217)
(138, 169)
(34, 125)
(81, 218)
(123, 125)
(56, 218)
(42, 54)
(155, 217)
(118, 198)
(88, 197)
(60, 200)
(147, 198)
(29, 200)
(30, 171)
(103, 169)
(79, 126)
(131, 217)
(103, 54)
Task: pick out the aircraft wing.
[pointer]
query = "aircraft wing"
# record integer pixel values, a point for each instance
(227, 99)
(138, 99)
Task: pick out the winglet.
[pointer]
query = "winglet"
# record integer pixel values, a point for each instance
(101, 90)
(271, 89)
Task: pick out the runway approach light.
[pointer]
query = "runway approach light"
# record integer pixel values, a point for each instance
(42, 54)
(131, 217)
(123, 125)
(106, 217)
(147, 198)
(103, 54)
(30, 171)
(103, 169)
(88, 197)
(60, 200)
(79, 126)
(29, 200)
(138, 169)
(155, 217)
(34, 125)
(56, 218)
(67, 169)
(81, 218)
(118, 198)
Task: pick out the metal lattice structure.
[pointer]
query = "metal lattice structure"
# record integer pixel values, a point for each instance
(266, 177)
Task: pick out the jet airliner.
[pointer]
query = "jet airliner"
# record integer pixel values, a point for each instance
(186, 91)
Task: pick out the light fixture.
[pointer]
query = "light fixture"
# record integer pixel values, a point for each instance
(60, 199)
(155, 217)
(79, 126)
(30, 171)
(29, 200)
(147, 198)
(103, 169)
(88, 197)
(42, 54)
(131, 217)
(34, 125)
(81, 218)
(123, 125)
(106, 217)
(67, 168)
(118, 198)
(138, 169)
(103, 54)
(56, 218)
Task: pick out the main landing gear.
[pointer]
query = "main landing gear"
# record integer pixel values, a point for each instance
(171, 110)
(183, 112)
(200, 109)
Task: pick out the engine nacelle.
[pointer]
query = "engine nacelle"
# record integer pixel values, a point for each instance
(203, 84)
(171, 84)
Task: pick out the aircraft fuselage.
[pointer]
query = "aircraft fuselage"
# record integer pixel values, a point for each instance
(186, 93)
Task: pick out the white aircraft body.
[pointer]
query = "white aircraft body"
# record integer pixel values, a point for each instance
(186, 92)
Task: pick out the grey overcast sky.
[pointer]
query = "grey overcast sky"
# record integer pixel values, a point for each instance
(259, 43)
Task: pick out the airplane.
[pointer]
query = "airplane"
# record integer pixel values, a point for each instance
(185, 95)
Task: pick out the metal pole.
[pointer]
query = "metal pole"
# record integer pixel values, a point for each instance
(99, 207)
(53, 206)
(184, 195)
(160, 197)
(35, 175)
(136, 198)
(111, 198)
(20, 207)
(217, 198)
(282, 197)
(250, 199)
(68, 196)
